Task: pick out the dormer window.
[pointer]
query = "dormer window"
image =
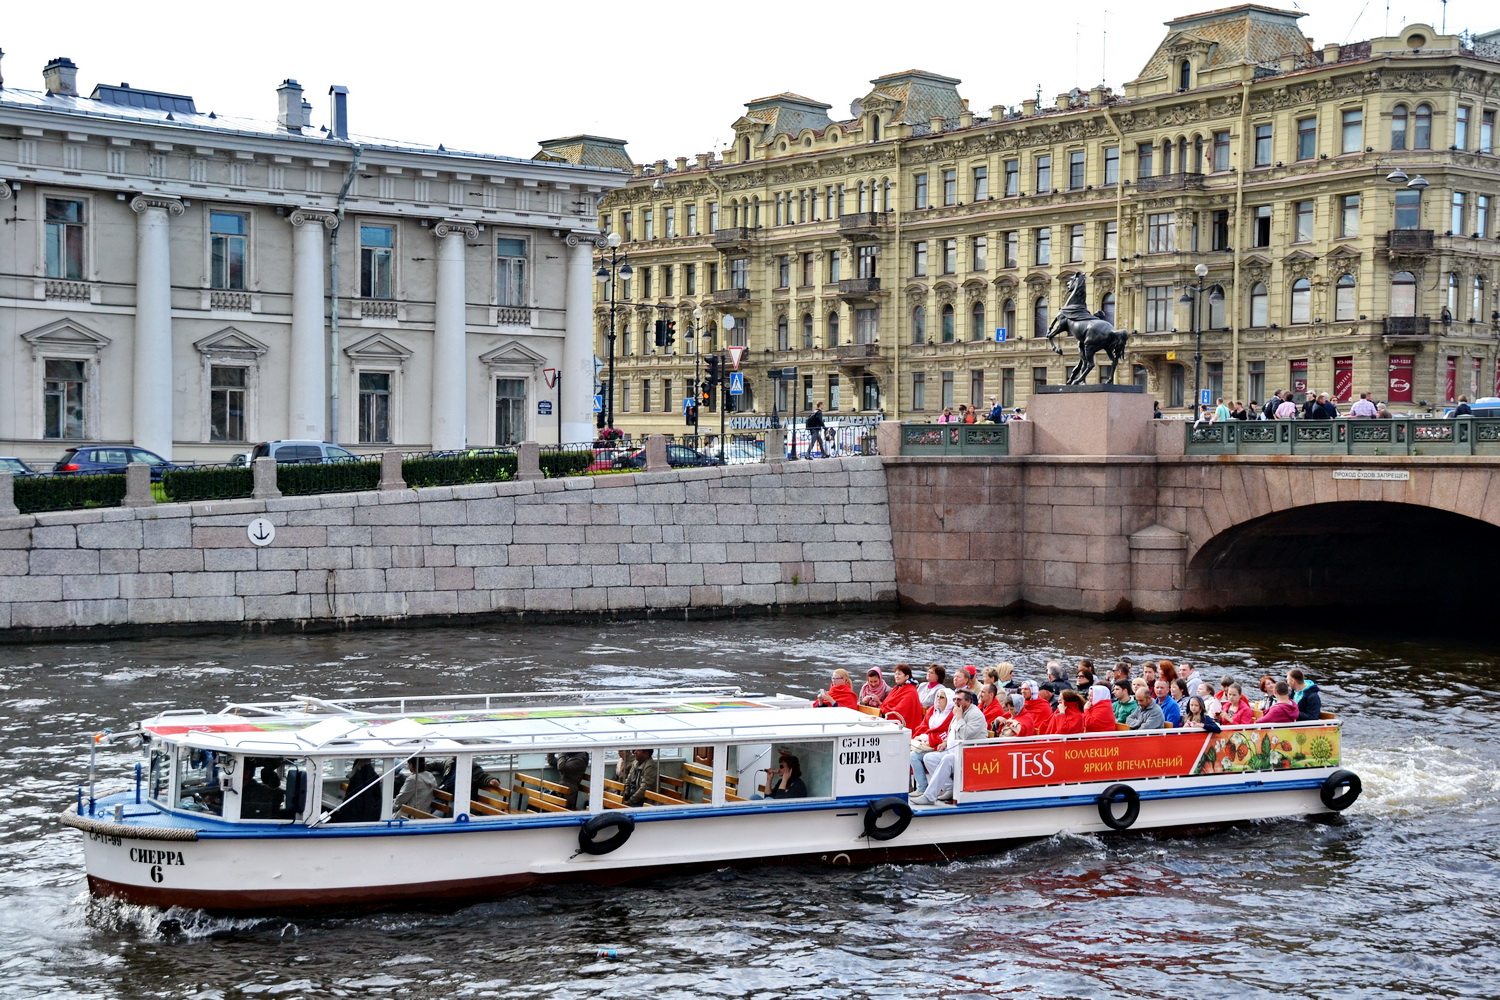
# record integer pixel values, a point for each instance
(874, 128)
(1184, 75)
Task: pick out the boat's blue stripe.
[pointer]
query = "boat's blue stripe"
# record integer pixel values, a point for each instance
(658, 814)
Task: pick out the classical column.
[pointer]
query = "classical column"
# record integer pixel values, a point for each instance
(152, 403)
(450, 381)
(576, 400)
(307, 379)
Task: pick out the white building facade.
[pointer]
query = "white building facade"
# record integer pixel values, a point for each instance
(192, 283)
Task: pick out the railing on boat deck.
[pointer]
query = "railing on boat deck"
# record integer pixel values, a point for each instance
(403, 705)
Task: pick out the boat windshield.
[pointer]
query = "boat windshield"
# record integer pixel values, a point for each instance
(198, 784)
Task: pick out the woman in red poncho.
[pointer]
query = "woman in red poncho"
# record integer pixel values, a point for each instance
(1070, 718)
(902, 701)
(1036, 710)
(1100, 716)
(840, 692)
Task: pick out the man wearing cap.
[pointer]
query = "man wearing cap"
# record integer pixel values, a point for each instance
(963, 680)
(997, 412)
(967, 726)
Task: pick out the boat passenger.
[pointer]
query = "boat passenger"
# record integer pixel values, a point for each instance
(1180, 694)
(572, 768)
(1212, 705)
(1125, 705)
(928, 690)
(1285, 710)
(1267, 688)
(644, 777)
(1197, 716)
(963, 680)
(1148, 673)
(840, 691)
(967, 726)
(1085, 677)
(624, 764)
(1223, 693)
(1237, 711)
(1120, 672)
(992, 676)
(928, 734)
(902, 700)
(1188, 674)
(1069, 717)
(990, 705)
(1036, 709)
(1056, 682)
(785, 780)
(1148, 712)
(874, 689)
(361, 802)
(478, 777)
(1169, 709)
(1100, 717)
(1007, 672)
(1305, 693)
(419, 788)
(1164, 668)
(260, 799)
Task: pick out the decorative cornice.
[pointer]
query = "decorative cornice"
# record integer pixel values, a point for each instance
(141, 202)
(452, 227)
(300, 216)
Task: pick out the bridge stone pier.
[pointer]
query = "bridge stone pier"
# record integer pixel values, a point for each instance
(1098, 510)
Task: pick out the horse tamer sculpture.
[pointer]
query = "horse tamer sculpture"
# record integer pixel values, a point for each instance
(1094, 333)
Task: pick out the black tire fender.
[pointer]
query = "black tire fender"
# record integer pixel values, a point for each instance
(622, 825)
(878, 810)
(1340, 789)
(1113, 795)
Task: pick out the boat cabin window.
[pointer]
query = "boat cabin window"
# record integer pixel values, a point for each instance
(661, 776)
(160, 787)
(273, 788)
(783, 770)
(198, 788)
(537, 782)
(355, 789)
(418, 792)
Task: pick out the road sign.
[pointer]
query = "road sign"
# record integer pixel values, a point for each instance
(260, 532)
(736, 383)
(544, 407)
(550, 375)
(687, 404)
(598, 404)
(735, 353)
(1000, 334)
(788, 374)
(1203, 399)
(1171, 355)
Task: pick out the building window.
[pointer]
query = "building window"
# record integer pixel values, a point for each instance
(227, 235)
(1260, 227)
(946, 402)
(832, 339)
(1263, 150)
(625, 226)
(1184, 75)
(809, 269)
(919, 258)
(1403, 294)
(1307, 138)
(920, 186)
(869, 393)
(1302, 222)
(1408, 209)
(979, 257)
(1107, 307)
(919, 325)
(648, 225)
(646, 275)
(1216, 320)
(713, 216)
(1040, 317)
(950, 256)
(1111, 240)
(625, 397)
(919, 390)
(950, 187)
(949, 333)
(1075, 243)
(866, 326)
(226, 403)
(1452, 307)
(976, 388)
(65, 238)
(510, 272)
(669, 222)
(739, 272)
(807, 331)
(377, 261)
(713, 277)
(1482, 216)
(1459, 216)
(1215, 380)
(1159, 228)
(977, 328)
(1043, 246)
(1012, 177)
(1349, 215)
(1476, 301)
(1143, 160)
(1258, 306)
(1301, 301)
(835, 260)
(783, 270)
(1421, 132)
(1353, 131)
(1007, 387)
(1075, 170)
(833, 392)
(981, 183)
(1043, 174)
(1399, 120)
(783, 337)
(1487, 132)
(63, 385)
(1008, 317)
(1012, 249)
(1111, 165)
(375, 407)
(868, 259)
(690, 279)
(1255, 380)
(692, 220)
(1221, 151)
(1158, 308)
(1343, 298)
(1038, 378)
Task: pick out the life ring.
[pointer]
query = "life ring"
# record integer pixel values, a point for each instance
(622, 824)
(878, 810)
(1340, 789)
(1115, 794)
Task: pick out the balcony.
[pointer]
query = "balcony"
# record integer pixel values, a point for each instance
(734, 238)
(1408, 240)
(1407, 327)
(858, 288)
(861, 225)
(729, 296)
(856, 355)
(1170, 182)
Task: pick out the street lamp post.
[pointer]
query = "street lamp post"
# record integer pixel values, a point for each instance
(1192, 298)
(611, 270)
(694, 325)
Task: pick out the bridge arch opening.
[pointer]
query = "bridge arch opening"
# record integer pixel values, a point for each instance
(1356, 555)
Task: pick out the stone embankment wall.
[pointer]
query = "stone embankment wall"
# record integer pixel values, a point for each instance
(782, 534)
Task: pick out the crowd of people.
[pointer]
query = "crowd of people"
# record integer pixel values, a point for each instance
(1316, 406)
(944, 713)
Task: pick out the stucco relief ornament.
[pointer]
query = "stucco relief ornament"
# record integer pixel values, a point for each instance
(303, 216)
(143, 202)
(451, 227)
(599, 241)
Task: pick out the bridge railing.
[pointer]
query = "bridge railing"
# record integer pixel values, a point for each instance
(1394, 436)
(955, 439)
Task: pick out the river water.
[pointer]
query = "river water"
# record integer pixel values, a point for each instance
(1398, 897)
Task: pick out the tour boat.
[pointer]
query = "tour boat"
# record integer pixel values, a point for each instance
(335, 804)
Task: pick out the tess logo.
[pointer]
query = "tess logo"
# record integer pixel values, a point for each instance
(1029, 765)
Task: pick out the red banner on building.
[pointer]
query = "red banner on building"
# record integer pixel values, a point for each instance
(1343, 379)
(1299, 375)
(1398, 384)
(1474, 370)
(1450, 383)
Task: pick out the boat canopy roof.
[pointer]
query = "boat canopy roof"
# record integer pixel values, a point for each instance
(510, 722)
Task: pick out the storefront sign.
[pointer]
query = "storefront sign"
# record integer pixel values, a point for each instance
(1398, 384)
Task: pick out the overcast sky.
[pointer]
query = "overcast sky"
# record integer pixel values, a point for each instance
(670, 77)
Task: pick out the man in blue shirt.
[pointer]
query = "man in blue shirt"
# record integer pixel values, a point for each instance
(1169, 709)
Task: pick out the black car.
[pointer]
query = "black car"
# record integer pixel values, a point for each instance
(96, 458)
(679, 456)
(9, 463)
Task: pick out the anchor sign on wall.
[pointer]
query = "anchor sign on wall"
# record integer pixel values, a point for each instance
(260, 532)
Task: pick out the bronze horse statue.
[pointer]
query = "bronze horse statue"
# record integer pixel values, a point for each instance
(1094, 333)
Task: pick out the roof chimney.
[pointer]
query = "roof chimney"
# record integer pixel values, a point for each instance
(338, 125)
(291, 110)
(60, 77)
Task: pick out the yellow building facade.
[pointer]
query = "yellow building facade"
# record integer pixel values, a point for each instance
(1340, 201)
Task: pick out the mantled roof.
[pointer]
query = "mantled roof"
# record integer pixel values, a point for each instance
(1228, 36)
(917, 95)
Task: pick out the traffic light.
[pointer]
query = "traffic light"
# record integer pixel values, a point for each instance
(661, 333)
(712, 361)
(671, 332)
(705, 393)
(690, 414)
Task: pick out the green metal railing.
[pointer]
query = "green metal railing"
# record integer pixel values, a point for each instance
(955, 439)
(1395, 436)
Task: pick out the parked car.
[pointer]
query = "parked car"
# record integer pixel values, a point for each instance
(604, 458)
(9, 463)
(679, 456)
(96, 458)
(735, 453)
(302, 452)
